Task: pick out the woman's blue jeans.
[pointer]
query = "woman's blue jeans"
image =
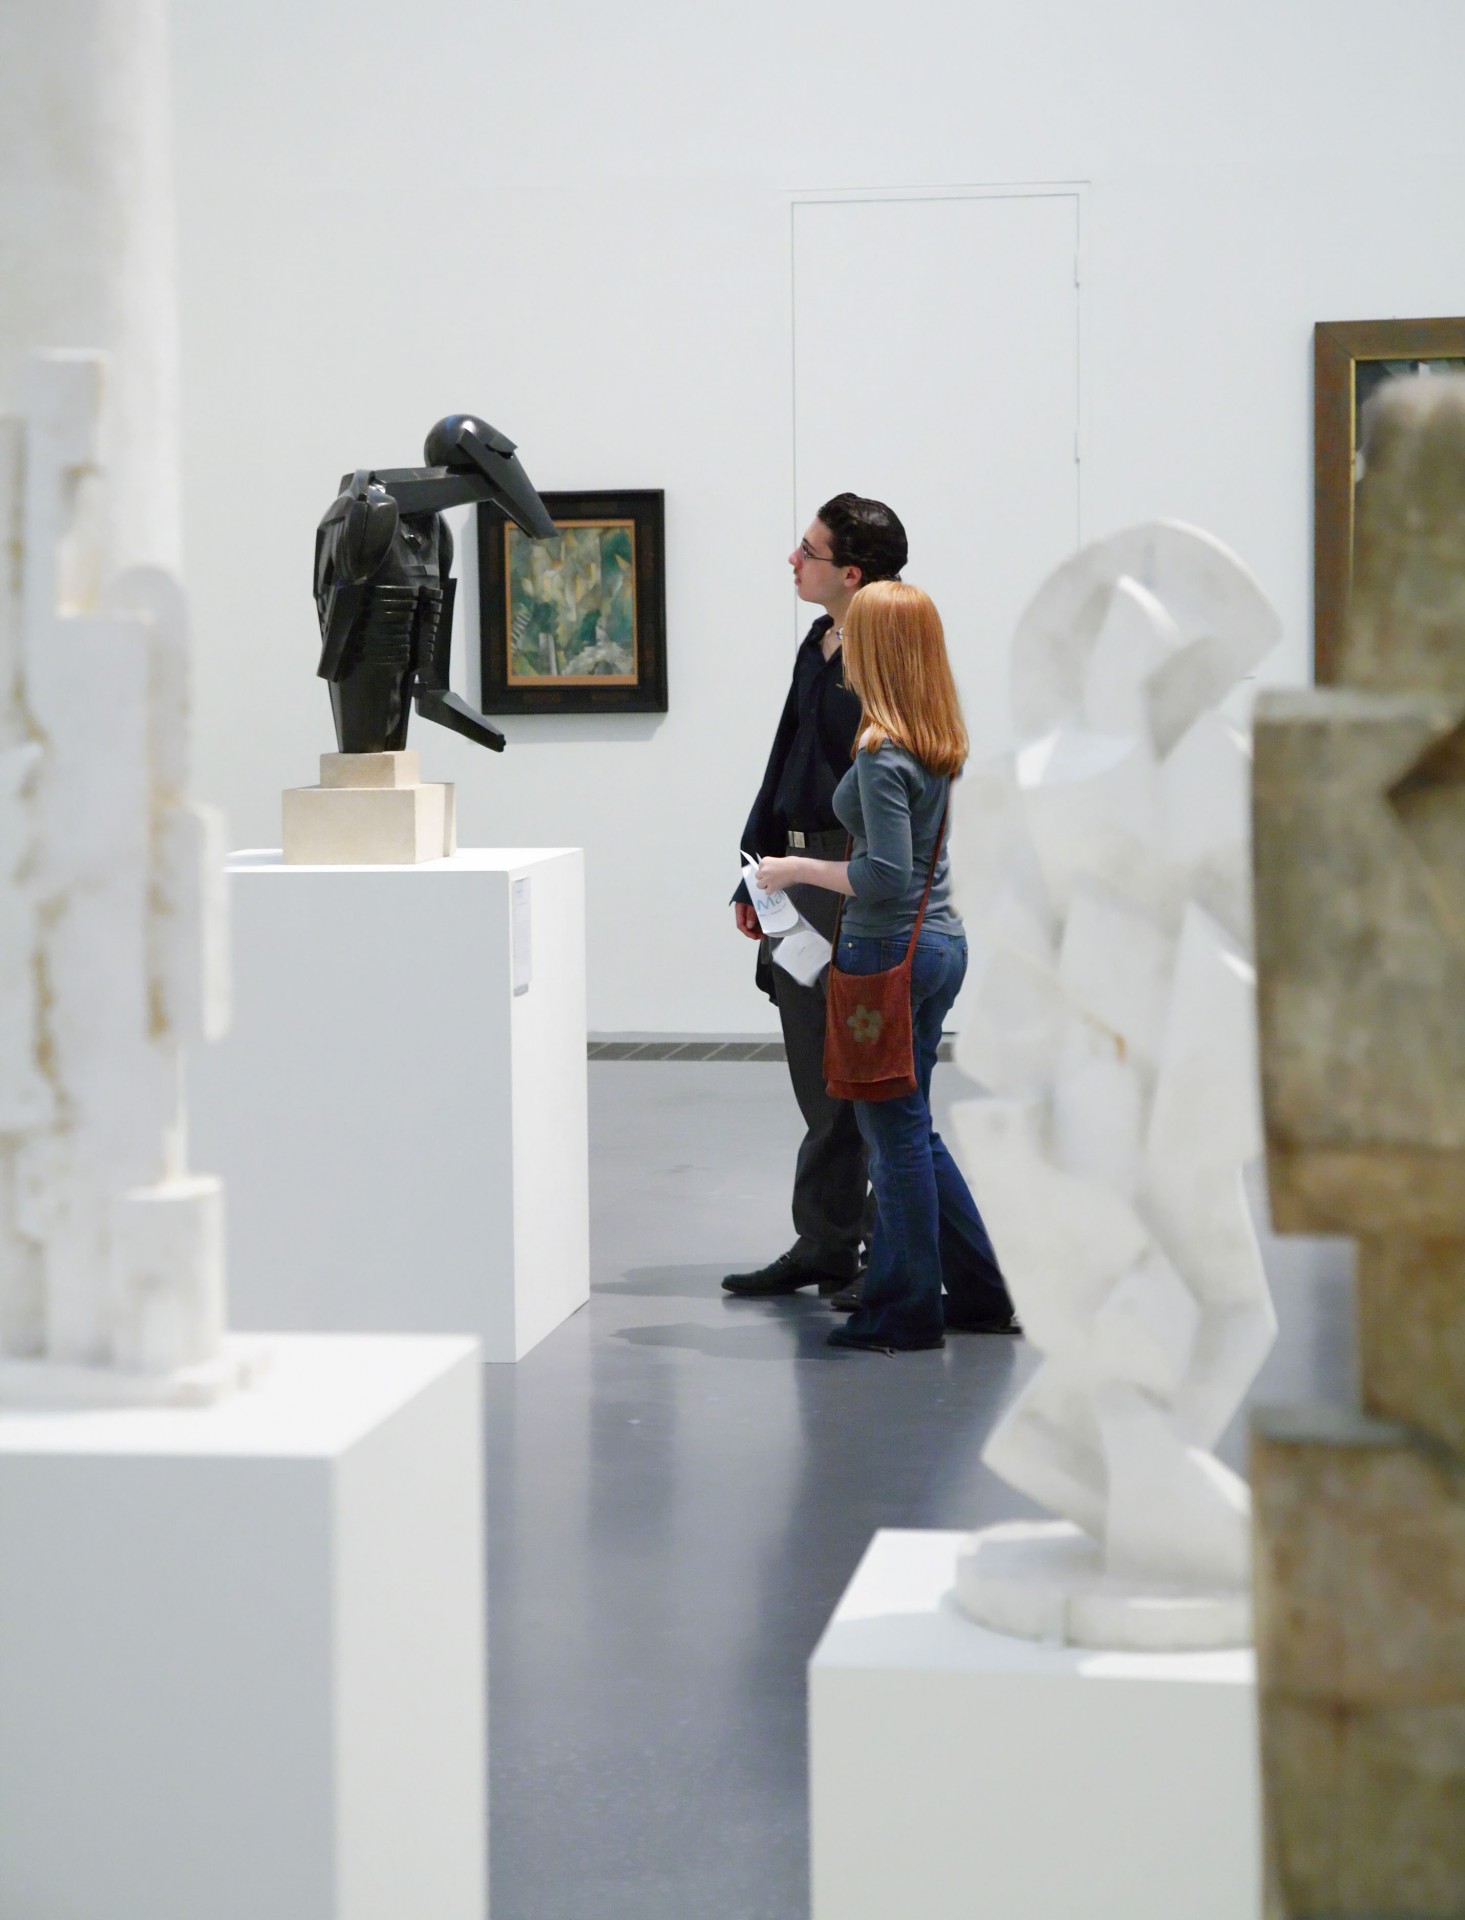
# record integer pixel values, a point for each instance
(927, 1229)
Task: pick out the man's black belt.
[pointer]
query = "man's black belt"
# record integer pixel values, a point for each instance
(829, 841)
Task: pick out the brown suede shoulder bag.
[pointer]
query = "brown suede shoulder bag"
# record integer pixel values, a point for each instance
(869, 1051)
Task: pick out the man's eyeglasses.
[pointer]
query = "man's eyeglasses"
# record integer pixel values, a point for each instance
(809, 554)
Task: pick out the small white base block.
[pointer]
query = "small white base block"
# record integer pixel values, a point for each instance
(242, 1647)
(400, 768)
(1045, 1580)
(399, 1111)
(956, 1771)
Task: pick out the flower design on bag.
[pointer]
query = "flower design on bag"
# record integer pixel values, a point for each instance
(865, 1024)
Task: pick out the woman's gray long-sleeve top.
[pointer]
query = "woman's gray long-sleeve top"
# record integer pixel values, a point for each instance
(892, 806)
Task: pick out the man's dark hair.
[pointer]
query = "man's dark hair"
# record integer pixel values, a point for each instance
(865, 534)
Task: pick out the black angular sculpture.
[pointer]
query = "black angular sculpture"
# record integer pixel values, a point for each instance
(383, 557)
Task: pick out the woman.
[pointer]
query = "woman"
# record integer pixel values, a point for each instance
(911, 744)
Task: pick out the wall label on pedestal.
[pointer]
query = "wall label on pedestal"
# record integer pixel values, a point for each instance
(519, 933)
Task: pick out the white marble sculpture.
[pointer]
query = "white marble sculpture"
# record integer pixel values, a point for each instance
(112, 946)
(111, 931)
(1103, 870)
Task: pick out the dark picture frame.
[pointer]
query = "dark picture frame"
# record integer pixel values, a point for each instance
(1351, 360)
(576, 624)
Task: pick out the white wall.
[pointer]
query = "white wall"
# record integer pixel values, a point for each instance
(573, 217)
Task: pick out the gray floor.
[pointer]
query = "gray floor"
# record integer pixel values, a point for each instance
(680, 1485)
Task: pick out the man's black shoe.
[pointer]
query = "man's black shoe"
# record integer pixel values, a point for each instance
(1007, 1323)
(875, 1343)
(848, 1298)
(786, 1274)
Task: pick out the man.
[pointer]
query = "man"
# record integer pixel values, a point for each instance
(850, 542)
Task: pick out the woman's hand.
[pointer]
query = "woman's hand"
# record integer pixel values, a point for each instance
(775, 874)
(798, 870)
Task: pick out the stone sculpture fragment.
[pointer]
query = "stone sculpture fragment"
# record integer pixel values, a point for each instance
(1360, 1516)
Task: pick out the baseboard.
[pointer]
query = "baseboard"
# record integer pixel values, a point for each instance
(692, 1046)
(618, 1046)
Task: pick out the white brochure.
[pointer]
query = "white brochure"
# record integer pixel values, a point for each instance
(804, 953)
(776, 912)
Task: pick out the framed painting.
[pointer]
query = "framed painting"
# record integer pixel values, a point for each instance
(576, 624)
(1351, 360)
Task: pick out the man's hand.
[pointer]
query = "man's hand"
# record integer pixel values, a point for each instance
(747, 920)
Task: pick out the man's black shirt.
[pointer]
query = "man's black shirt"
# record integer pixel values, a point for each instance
(811, 750)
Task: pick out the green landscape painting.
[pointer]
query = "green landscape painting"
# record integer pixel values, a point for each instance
(572, 604)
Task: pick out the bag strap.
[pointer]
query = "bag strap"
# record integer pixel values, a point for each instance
(849, 848)
(930, 876)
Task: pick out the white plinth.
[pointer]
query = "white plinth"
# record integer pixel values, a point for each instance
(242, 1647)
(402, 1136)
(955, 1771)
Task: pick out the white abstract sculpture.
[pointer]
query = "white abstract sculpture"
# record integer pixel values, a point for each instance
(112, 947)
(87, 255)
(1103, 871)
(111, 930)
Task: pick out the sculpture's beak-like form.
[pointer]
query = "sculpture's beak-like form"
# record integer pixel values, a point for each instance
(472, 444)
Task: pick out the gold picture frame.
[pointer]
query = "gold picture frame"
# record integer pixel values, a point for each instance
(1351, 359)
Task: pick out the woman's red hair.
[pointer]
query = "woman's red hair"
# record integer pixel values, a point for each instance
(895, 660)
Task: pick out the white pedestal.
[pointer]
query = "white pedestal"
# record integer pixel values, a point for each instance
(402, 1136)
(242, 1647)
(955, 1771)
